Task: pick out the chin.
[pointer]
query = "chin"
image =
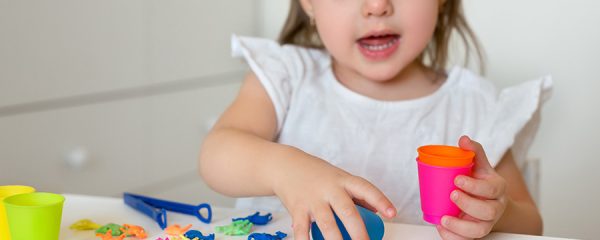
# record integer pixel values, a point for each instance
(381, 74)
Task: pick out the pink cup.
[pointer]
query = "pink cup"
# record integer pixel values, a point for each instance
(438, 166)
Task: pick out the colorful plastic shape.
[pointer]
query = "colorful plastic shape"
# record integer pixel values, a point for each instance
(108, 236)
(134, 231)
(114, 228)
(265, 236)
(176, 230)
(84, 224)
(256, 219)
(195, 234)
(156, 208)
(236, 228)
(373, 223)
(437, 167)
(445, 156)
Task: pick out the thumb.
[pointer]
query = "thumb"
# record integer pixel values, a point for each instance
(481, 160)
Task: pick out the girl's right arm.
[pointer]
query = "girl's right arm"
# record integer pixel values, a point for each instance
(239, 158)
(237, 155)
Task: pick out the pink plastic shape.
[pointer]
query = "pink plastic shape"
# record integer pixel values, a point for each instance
(436, 184)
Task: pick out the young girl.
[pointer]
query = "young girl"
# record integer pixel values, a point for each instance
(333, 116)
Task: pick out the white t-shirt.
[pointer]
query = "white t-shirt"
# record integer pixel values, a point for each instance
(375, 139)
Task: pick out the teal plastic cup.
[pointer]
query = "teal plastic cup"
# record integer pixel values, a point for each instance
(34, 215)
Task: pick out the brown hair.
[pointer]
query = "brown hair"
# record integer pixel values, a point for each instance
(298, 30)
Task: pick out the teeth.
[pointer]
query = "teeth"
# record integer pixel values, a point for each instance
(380, 47)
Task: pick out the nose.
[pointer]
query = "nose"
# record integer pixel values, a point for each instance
(377, 8)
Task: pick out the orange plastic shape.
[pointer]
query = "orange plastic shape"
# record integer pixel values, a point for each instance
(445, 156)
(134, 231)
(176, 230)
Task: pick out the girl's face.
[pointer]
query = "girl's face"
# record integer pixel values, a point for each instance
(375, 39)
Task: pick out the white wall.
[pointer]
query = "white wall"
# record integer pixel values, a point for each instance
(132, 83)
(271, 16)
(59, 48)
(526, 39)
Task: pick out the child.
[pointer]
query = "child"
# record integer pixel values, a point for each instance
(334, 115)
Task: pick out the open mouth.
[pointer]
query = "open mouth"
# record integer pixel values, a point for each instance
(379, 46)
(379, 42)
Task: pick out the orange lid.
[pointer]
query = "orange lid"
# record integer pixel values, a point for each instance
(445, 156)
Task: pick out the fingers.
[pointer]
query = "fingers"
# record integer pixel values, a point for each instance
(326, 222)
(300, 225)
(481, 161)
(350, 217)
(487, 210)
(364, 204)
(447, 234)
(362, 189)
(492, 188)
(465, 228)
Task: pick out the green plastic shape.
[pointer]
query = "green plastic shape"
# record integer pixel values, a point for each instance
(236, 228)
(115, 229)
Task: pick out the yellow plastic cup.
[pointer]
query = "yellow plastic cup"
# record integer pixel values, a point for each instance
(7, 191)
(34, 215)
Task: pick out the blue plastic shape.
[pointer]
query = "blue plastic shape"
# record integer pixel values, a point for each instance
(256, 219)
(372, 221)
(191, 234)
(265, 236)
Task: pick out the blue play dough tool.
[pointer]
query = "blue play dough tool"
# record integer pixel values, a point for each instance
(372, 221)
(156, 208)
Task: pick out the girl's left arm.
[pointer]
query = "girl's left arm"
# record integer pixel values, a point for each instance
(493, 199)
(521, 214)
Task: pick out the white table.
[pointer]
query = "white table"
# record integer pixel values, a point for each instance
(103, 210)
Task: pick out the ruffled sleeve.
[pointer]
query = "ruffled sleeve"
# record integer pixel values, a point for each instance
(514, 120)
(275, 66)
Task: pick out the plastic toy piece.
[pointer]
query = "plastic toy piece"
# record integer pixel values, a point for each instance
(156, 208)
(84, 224)
(134, 231)
(236, 228)
(108, 236)
(114, 228)
(373, 223)
(256, 219)
(265, 236)
(195, 234)
(176, 230)
(445, 156)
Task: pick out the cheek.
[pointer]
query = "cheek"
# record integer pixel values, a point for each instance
(335, 39)
(336, 28)
(419, 25)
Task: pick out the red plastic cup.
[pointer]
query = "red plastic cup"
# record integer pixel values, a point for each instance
(438, 165)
